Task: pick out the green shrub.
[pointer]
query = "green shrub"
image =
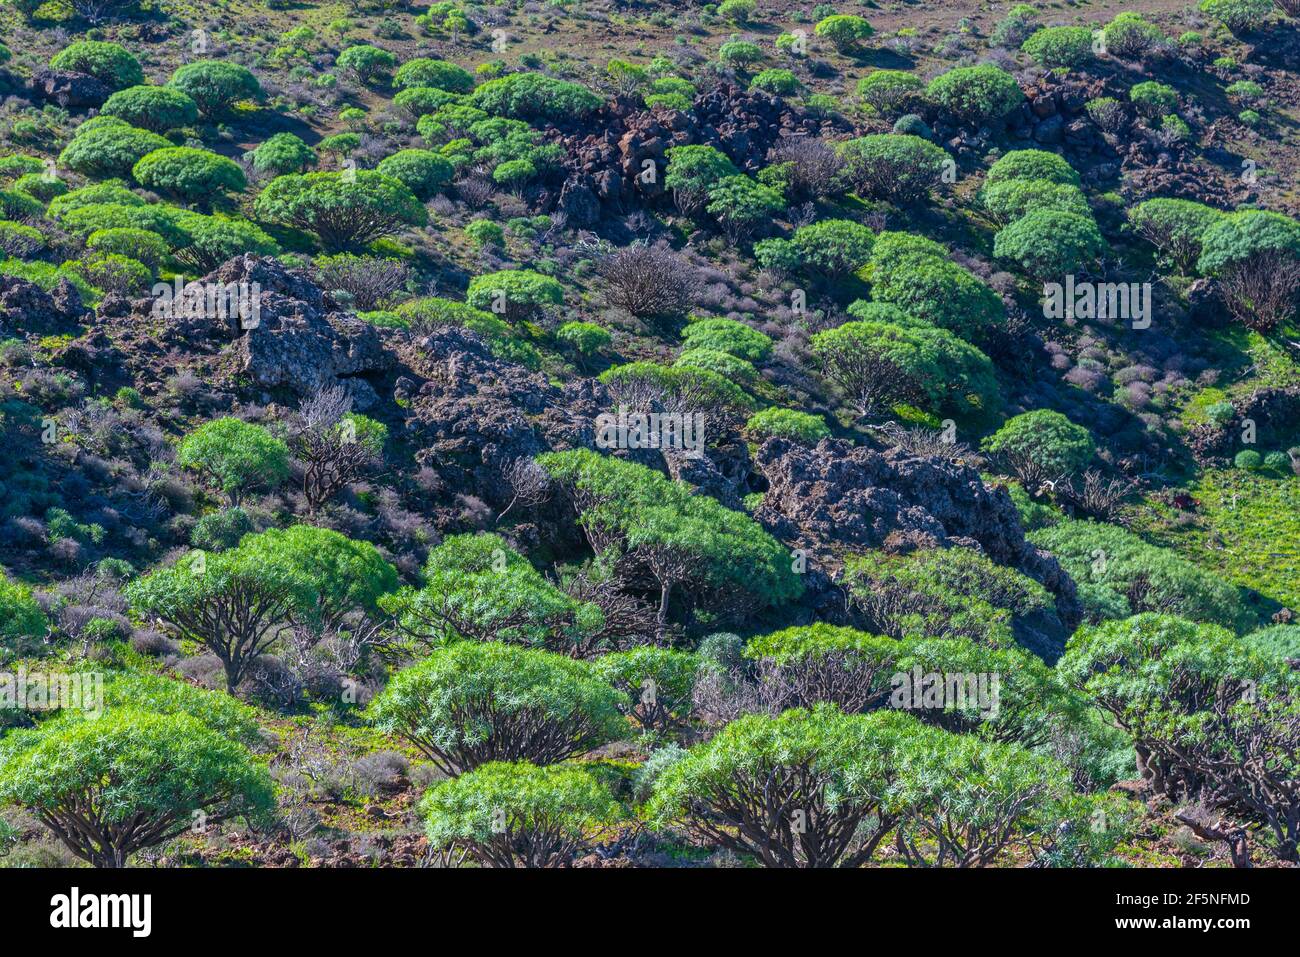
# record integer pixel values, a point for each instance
(478, 588)
(901, 169)
(728, 335)
(843, 30)
(532, 96)
(1042, 444)
(514, 814)
(1050, 242)
(739, 53)
(110, 150)
(945, 593)
(484, 232)
(475, 702)
(220, 530)
(929, 286)
(801, 427)
(719, 554)
(584, 338)
(1144, 576)
(1011, 199)
(1032, 165)
(1175, 227)
(657, 683)
(779, 81)
(20, 616)
(156, 108)
(889, 92)
(877, 364)
(515, 294)
(422, 171)
(1239, 16)
(216, 85)
(1129, 37)
(419, 101)
(283, 153)
(130, 780)
(110, 63)
(1153, 99)
(693, 172)
(208, 241)
(344, 212)
(235, 455)
(979, 95)
(433, 74)
(1248, 460)
(367, 63)
(1053, 47)
(741, 205)
(189, 174)
(738, 370)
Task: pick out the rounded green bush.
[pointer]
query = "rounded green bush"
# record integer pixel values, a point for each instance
(727, 335)
(156, 108)
(282, 153)
(980, 95)
(843, 30)
(895, 167)
(189, 174)
(890, 91)
(423, 171)
(1044, 439)
(433, 74)
(110, 63)
(516, 294)
(1050, 242)
(1032, 164)
(110, 150)
(1053, 47)
(801, 427)
(1248, 460)
(533, 96)
(216, 85)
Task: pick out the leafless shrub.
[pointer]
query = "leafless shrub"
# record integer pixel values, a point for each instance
(1097, 495)
(816, 169)
(475, 190)
(649, 281)
(370, 281)
(334, 451)
(529, 483)
(1262, 291)
(627, 620)
(918, 440)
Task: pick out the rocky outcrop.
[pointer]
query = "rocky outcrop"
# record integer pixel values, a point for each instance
(1271, 413)
(475, 415)
(26, 308)
(838, 498)
(272, 328)
(605, 169)
(77, 91)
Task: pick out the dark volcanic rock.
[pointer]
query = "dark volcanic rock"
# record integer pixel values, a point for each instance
(475, 414)
(839, 498)
(70, 90)
(286, 333)
(27, 308)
